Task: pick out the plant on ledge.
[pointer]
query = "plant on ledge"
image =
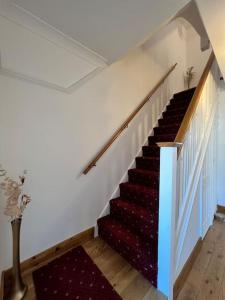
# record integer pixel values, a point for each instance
(189, 76)
(16, 202)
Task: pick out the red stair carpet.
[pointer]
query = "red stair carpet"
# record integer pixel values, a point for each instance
(131, 228)
(73, 276)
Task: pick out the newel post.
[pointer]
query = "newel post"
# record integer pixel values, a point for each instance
(167, 211)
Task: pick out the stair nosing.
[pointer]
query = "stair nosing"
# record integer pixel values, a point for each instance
(139, 186)
(144, 170)
(148, 157)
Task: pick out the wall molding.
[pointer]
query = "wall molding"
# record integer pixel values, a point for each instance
(22, 18)
(68, 90)
(2, 285)
(15, 13)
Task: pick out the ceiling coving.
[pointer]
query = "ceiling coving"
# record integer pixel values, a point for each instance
(109, 28)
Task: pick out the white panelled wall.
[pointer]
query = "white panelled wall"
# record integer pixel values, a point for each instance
(221, 148)
(194, 187)
(193, 164)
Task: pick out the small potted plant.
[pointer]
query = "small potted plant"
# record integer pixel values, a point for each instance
(189, 76)
(16, 202)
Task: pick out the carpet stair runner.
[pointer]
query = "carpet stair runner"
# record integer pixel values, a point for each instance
(131, 228)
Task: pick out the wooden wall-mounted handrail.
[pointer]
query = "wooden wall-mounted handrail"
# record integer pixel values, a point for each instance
(194, 102)
(126, 122)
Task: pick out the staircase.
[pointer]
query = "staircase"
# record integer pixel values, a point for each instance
(131, 228)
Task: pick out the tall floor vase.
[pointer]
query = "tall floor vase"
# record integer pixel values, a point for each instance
(18, 288)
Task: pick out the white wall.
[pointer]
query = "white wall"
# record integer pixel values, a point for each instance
(213, 15)
(191, 14)
(221, 149)
(54, 135)
(193, 54)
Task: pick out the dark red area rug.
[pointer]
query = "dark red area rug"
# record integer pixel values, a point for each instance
(73, 276)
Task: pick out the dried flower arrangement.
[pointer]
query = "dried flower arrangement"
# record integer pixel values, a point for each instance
(13, 191)
(189, 76)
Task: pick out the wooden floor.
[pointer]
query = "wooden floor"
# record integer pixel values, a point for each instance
(126, 281)
(206, 280)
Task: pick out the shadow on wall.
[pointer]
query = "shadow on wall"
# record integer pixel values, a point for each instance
(190, 46)
(167, 33)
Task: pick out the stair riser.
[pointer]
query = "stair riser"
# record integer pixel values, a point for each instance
(145, 199)
(170, 120)
(183, 96)
(172, 113)
(147, 164)
(161, 138)
(151, 151)
(147, 180)
(180, 101)
(166, 130)
(177, 106)
(148, 230)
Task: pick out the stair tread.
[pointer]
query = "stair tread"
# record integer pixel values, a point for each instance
(148, 158)
(138, 210)
(173, 116)
(139, 219)
(163, 130)
(162, 135)
(155, 147)
(168, 126)
(142, 171)
(176, 109)
(175, 106)
(144, 177)
(162, 138)
(150, 163)
(141, 194)
(180, 101)
(151, 151)
(169, 118)
(185, 92)
(138, 186)
(171, 113)
(124, 233)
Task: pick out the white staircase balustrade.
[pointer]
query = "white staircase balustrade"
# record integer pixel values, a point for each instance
(187, 188)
